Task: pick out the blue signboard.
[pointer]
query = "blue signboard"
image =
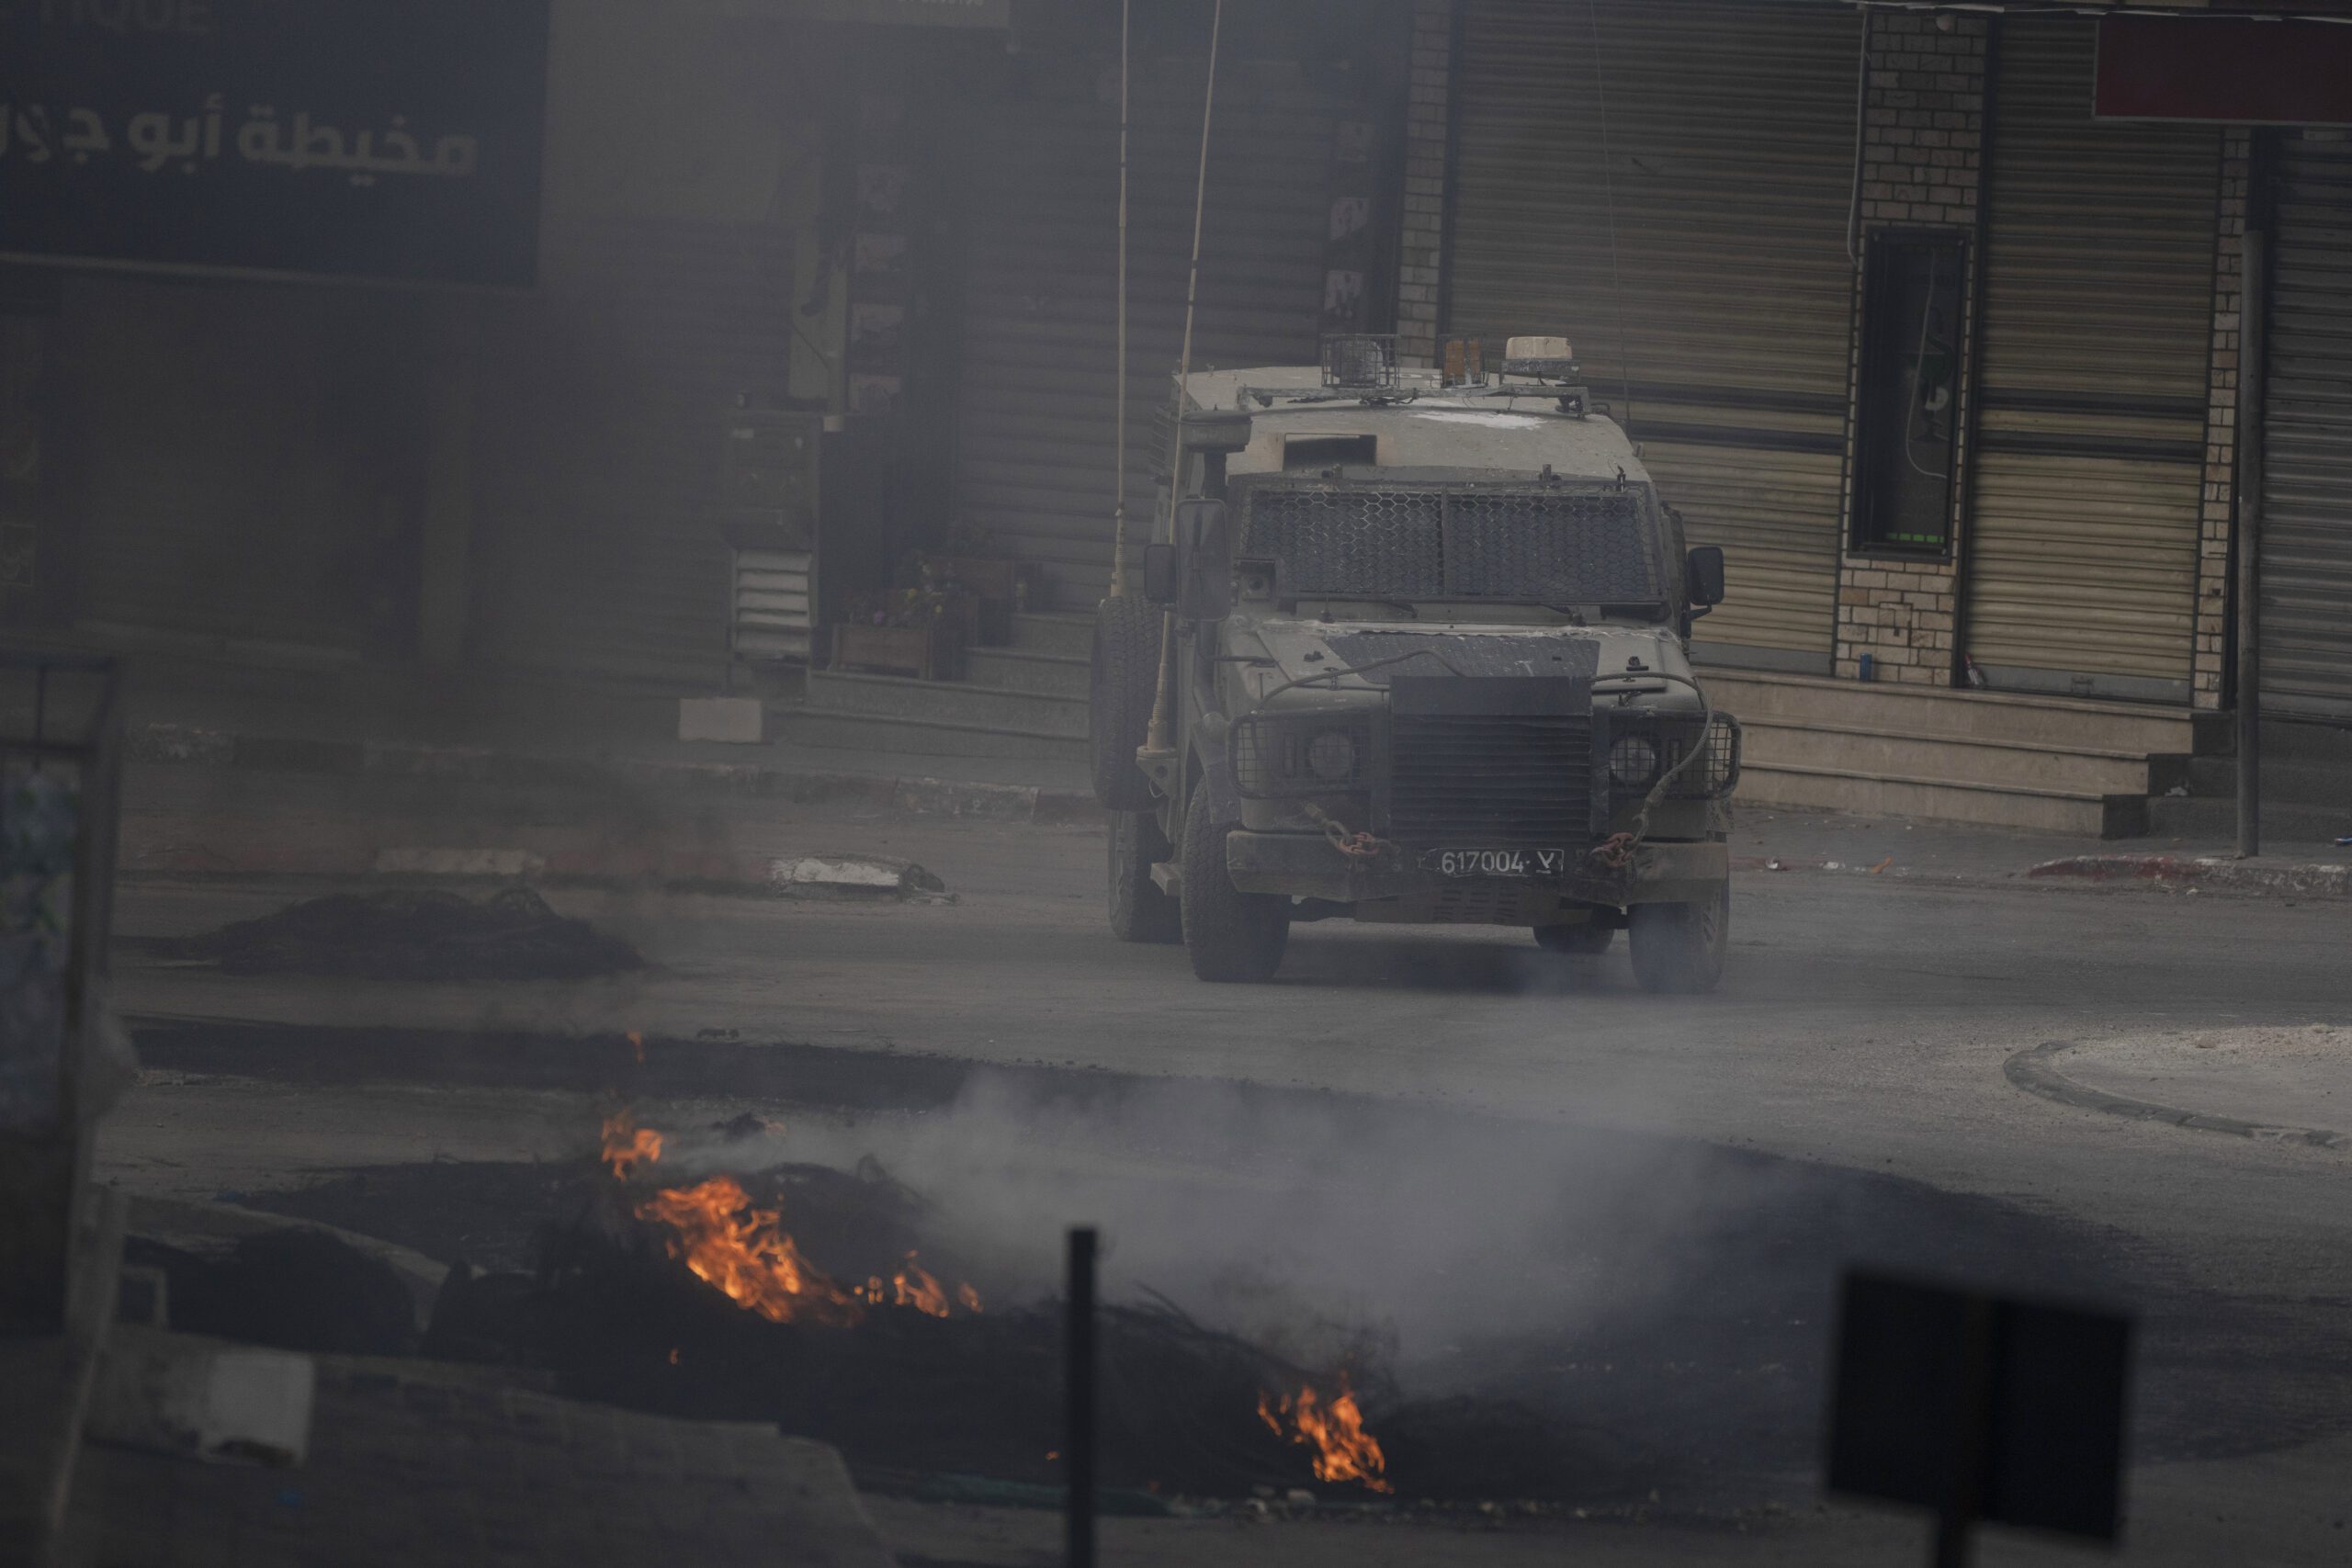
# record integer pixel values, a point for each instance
(392, 140)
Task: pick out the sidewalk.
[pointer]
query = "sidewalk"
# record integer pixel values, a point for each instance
(465, 764)
(1771, 839)
(354, 720)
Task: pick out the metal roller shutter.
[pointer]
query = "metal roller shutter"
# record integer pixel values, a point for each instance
(1036, 427)
(2307, 445)
(601, 404)
(2097, 321)
(1730, 135)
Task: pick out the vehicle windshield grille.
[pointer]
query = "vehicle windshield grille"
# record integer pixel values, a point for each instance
(1547, 542)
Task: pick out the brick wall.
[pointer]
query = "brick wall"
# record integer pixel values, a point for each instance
(1923, 124)
(1420, 246)
(2221, 427)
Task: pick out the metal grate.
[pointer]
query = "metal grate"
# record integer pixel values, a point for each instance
(1335, 541)
(1582, 546)
(1716, 773)
(1269, 755)
(1498, 781)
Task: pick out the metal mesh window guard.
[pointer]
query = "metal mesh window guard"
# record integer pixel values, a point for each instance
(1578, 546)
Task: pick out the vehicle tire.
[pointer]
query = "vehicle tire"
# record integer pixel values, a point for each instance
(1229, 934)
(1121, 683)
(1140, 910)
(1680, 947)
(1587, 941)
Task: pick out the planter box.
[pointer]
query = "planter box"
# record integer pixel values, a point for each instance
(929, 653)
(996, 585)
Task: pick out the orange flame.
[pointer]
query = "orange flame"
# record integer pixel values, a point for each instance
(738, 1248)
(1334, 1430)
(627, 1144)
(741, 1248)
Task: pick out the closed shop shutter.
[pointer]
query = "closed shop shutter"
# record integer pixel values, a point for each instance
(2095, 332)
(247, 462)
(1702, 260)
(601, 404)
(1035, 420)
(2307, 444)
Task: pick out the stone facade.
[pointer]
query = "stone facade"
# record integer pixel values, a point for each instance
(1428, 119)
(2216, 515)
(1922, 130)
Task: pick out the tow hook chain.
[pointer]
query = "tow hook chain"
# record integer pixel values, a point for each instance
(1614, 853)
(1355, 846)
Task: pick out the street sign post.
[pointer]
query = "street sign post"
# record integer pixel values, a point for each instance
(1980, 1407)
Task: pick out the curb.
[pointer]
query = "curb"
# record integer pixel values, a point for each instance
(2033, 1070)
(910, 794)
(2208, 871)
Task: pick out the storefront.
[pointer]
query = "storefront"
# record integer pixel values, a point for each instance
(1669, 186)
(1296, 215)
(2306, 621)
(2097, 297)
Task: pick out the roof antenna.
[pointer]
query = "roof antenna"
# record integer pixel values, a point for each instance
(1119, 397)
(1609, 192)
(1156, 739)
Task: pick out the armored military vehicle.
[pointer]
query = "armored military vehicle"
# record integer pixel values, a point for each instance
(1413, 647)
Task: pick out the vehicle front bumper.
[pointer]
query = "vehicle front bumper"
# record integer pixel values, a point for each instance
(1310, 866)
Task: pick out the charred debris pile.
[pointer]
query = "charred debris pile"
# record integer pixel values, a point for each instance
(800, 1295)
(415, 934)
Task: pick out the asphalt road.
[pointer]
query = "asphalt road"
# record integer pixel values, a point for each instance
(1517, 1171)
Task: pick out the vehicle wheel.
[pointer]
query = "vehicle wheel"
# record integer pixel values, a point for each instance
(1140, 910)
(1587, 941)
(1231, 935)
(1679, 947)
(1121, 683)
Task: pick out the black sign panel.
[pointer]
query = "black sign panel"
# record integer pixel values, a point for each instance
(397, 140)
(1980, 1407)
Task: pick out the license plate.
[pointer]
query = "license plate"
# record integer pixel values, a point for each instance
(1495, 863)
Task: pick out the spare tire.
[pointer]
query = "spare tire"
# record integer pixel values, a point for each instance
(1121, 685)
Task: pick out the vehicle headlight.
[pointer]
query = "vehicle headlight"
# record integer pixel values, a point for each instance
(1632, 761)
(1331, 756)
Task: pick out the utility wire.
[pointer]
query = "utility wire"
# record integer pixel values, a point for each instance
(1609, 193)
(1155, 736)
(1119, 439)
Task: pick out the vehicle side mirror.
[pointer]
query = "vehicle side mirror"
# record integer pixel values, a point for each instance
(1703, 576)
(1160, 582)
(1208, 560)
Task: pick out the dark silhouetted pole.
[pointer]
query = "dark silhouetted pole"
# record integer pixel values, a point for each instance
(2251, 309)
(1077, 1394)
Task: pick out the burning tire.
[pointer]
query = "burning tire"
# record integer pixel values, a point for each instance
(1229, 934)
(1140, 910)
(1587, 941)
(1122, 682)
(1680, 947)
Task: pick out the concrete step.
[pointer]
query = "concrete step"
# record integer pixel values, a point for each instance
(1954, 758)
(1043, 631)
(945, 702)
(1939, 710)
(2284, 823)
(1024, 670)
(2288, 779)
(799, 726)
(1865, 794)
